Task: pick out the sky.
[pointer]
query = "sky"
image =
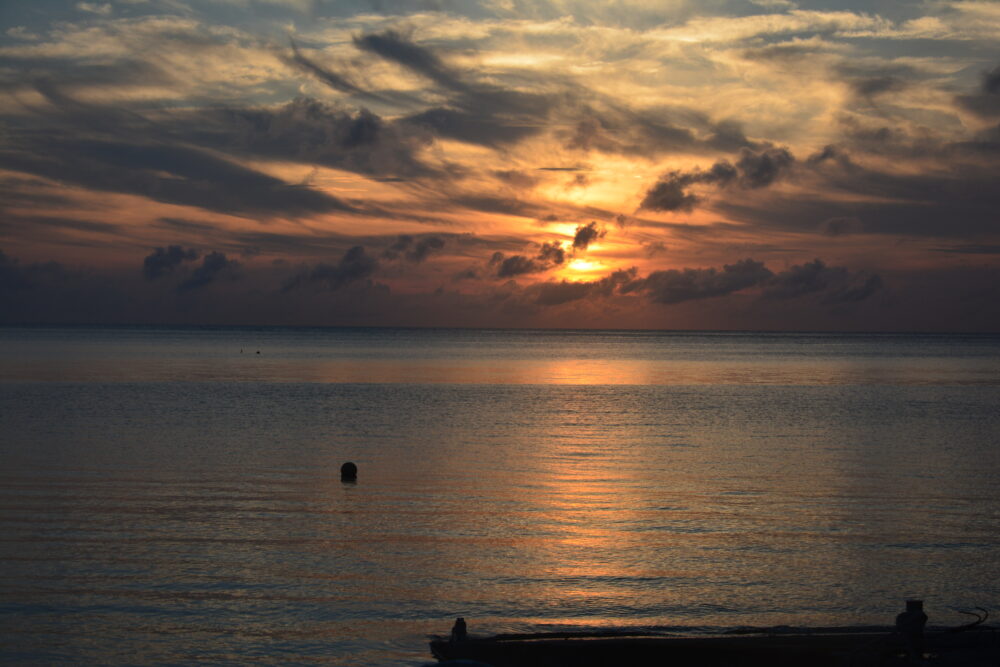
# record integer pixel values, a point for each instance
(765, 165)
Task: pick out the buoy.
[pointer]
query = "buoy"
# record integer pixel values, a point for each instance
(348, 472)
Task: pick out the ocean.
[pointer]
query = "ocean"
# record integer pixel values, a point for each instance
(172, 495)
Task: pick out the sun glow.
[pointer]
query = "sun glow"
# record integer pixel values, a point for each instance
(584, 266)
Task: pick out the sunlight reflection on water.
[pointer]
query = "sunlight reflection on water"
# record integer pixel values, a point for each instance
(165, 521)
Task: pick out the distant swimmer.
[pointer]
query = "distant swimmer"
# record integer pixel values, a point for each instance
(348, 472)
(258, 351)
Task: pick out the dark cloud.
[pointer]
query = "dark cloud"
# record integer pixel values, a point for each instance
(212, 265)
(843, 226)
(894, 194)
(675, 286)
(504, 205)
(986, 102)
(554, 294)
(468, 274)
(11, 275)
(551, 255)
(804, 279)
(313, 132)
(516, 178)
(516, 265)
(164, 260)
(869, 80)
(587, 234)
(22, 192)
(182, 157)
(854, 292)
(829, 285)
(470, 127)
(608, 126)
(552, 252)
(621, 130)
(184, 224)
(752, 170)
(332, 79)
(76, 73)
(829, 152)
(654, 248)
(13, 221)
(972, 249)
(168, 173)
(759, 170)
(668, 193)
(354, 266)
(414, 250)
(476, 112)
(17, 276)
(397, 47)
(875, 85)
(557, 293)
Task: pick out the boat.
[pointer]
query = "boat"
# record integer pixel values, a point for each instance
(765, 647)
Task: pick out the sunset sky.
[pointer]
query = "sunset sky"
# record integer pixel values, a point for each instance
(558, 163)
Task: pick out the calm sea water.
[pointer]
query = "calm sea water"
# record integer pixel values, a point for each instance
(171, 496)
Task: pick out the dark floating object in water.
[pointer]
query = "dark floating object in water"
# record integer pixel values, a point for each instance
(860, 646)
(348, 472)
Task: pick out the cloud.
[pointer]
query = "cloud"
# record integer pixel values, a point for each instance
(830, 285)
(842, 226)
(213, 264)
(332, 79)
(414, 250)
(972, 249)
(607, 125)
(163, 172)
(17, 276)
(674, 286)
(102, 9)
(395, 46)
(668, 193)
(516, 265)
(311, 132)
(986, 102)
(838, 284)
(354, 266)
(587, 234)
(165, 260)
(753, 170)
(557, 293)
(855, 292)
(552, 252)
(476, 112)
(759, 170)
(886, 181)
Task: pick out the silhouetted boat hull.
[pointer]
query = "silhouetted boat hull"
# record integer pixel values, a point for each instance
(806, 649)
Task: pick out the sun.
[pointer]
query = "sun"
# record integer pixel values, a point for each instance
(583, 266)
